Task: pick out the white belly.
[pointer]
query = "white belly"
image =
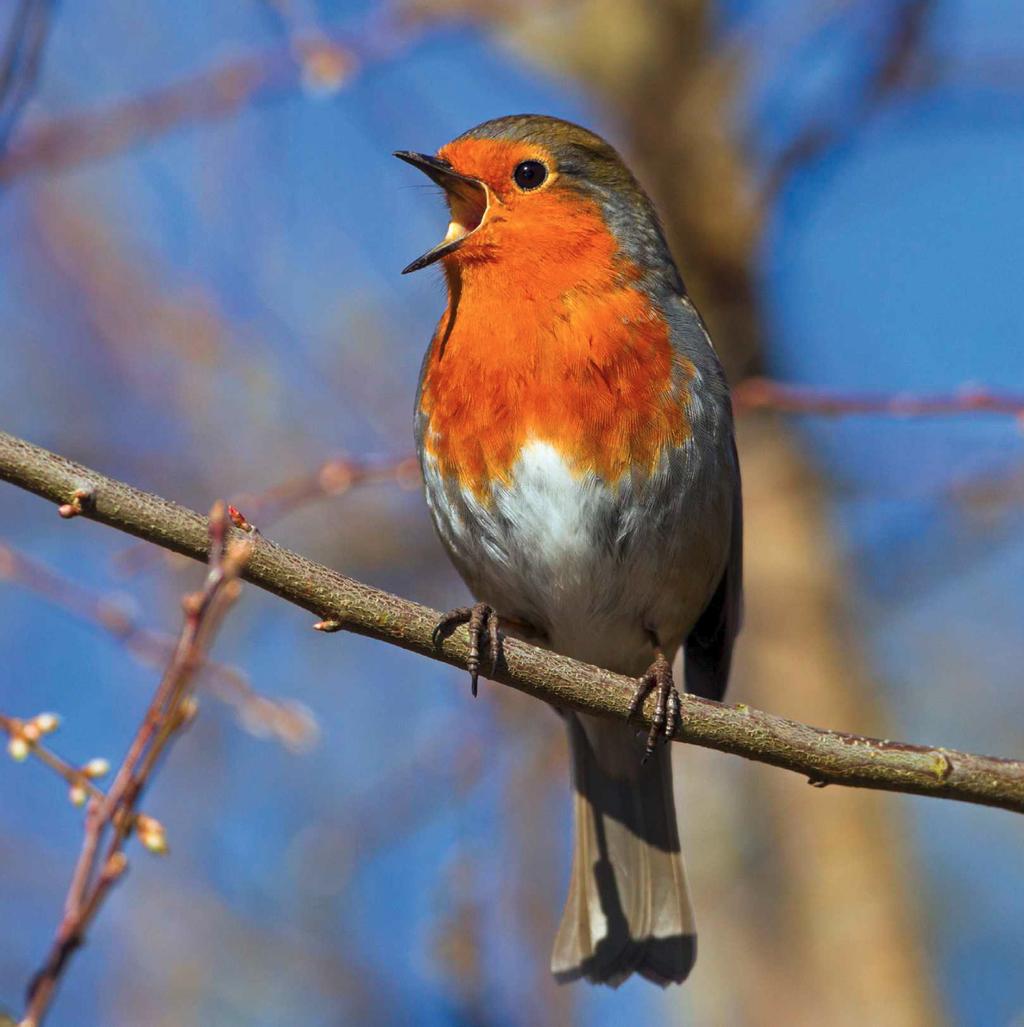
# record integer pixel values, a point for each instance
(595, 567)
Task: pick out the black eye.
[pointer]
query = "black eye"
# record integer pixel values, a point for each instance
(529, 174)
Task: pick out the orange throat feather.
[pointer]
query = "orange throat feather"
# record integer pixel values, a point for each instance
(575, 358)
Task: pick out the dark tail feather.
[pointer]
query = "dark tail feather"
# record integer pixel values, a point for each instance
(628, 909)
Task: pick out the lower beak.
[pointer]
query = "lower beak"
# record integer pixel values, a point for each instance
(468, 199)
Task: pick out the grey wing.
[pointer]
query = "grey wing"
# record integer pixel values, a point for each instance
(709, 645)
(419, 418)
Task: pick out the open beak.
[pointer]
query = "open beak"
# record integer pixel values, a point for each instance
(468, 199)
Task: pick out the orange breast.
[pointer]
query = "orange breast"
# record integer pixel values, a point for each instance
(563, 353)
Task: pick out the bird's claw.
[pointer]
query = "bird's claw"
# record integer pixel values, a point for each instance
(479, 618)
(666, 710)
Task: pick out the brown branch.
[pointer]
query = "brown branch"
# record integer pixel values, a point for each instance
(764, 394)
(112, 818)
(825, 757)
(288, 722)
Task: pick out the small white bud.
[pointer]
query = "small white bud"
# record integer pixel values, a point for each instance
(18, 748)
(96, 767)
(47, 722)
(151, 833)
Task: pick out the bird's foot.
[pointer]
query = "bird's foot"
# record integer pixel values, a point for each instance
(666, 711)
(479, 618)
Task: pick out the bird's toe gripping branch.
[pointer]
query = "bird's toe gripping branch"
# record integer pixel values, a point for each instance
(479, 618)
(666, 711)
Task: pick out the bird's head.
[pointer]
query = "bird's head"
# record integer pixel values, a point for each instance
(534, 191)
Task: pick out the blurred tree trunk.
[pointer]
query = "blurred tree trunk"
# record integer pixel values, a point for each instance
(807, 903)
(803, 899)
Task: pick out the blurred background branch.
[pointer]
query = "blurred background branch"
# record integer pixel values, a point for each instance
(764, 394)
(336, 476)
(290, 723)
(898, 64)
(333, 478)
(319, 63)
(21, 57)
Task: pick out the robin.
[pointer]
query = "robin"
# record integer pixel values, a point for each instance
(575, 434)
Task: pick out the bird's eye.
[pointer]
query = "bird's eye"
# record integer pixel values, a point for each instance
(529, 174)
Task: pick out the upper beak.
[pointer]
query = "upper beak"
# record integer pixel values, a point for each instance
(468, 198)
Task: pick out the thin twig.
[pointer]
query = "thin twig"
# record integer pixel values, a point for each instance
(824, 757)
(25, 739)
(112, 818)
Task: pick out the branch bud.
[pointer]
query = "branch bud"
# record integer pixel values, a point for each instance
(46, 722)
(18, 748)
(151, 833)
(96, 767)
